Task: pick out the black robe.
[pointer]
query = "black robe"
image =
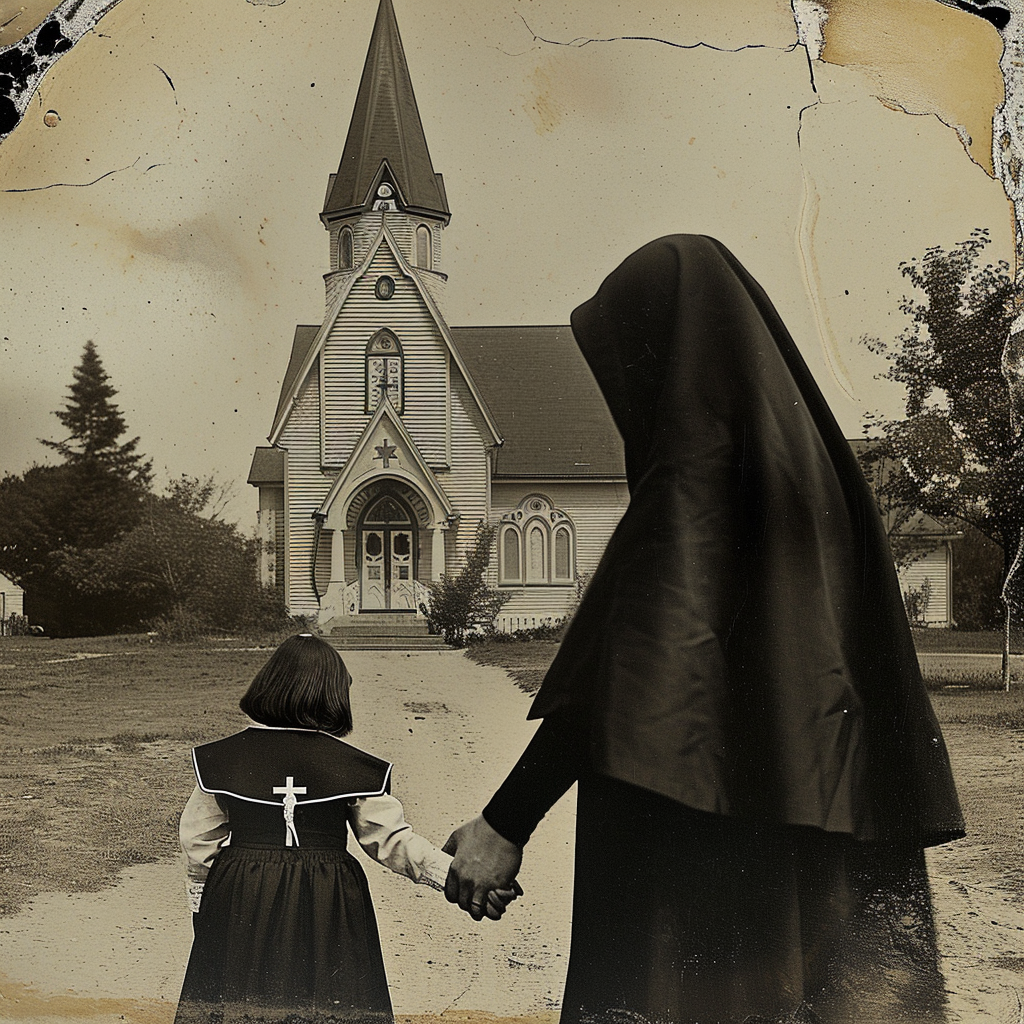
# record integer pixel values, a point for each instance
(743, 647)
(738, 693)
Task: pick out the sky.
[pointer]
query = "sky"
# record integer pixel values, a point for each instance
(169, 211)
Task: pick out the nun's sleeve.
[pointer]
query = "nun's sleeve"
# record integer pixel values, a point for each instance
(552, 761)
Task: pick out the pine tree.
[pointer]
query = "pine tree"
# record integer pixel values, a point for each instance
(95, 426)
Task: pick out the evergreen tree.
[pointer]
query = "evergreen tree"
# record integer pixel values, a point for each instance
(95, 425)
(51, 512)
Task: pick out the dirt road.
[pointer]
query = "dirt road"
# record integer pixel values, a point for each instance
(453, 728)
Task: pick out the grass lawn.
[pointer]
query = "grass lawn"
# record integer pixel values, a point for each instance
(954, 641)
(528, 661)
(96, 734)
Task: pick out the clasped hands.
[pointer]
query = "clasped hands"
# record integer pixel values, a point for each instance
(482, 878)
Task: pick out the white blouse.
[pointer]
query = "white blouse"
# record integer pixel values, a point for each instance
(378, 823)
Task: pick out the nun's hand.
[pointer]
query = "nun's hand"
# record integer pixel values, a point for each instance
(484, 862)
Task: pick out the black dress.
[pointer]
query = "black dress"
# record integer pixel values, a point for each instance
(286, 932)
(738, 694)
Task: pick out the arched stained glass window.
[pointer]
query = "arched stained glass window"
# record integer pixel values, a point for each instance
(563, 555)
(536, 547)
(345, 249)
(423, 247)
(384, 370)
(511, 568)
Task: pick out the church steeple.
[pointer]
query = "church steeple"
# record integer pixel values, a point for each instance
(385, 163)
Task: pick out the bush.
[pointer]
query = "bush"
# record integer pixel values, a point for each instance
(462, 603)
(552, 630)
(14, 625)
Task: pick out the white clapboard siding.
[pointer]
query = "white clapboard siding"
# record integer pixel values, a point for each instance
(465, 482)
(930, 573)
(402, 227)
(271, 522)
(12, 600)
(595, 509)
(423, 370)
(305, 488)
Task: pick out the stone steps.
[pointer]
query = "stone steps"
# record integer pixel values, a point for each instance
(376, 632)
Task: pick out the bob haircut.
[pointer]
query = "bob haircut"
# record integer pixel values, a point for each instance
(304, 685)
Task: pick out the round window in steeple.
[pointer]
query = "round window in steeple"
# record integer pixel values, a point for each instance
(385, 287)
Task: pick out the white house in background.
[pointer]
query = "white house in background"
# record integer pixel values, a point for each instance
(396, 434)
(12, 602)
(927, 579)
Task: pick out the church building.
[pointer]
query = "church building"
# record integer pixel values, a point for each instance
(396, 435)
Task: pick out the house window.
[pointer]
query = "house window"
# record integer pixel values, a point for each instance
(345, 249)
(383, 370)
(423, 247)
(537, 545)
(510, 564)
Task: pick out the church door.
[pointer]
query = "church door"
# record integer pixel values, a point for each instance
(387, 546)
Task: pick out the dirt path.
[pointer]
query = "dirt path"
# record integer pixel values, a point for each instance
(453, 728)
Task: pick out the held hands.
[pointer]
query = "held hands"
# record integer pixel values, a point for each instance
(481, 879)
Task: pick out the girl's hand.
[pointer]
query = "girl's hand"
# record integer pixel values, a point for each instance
(499, 899)
(484, 862)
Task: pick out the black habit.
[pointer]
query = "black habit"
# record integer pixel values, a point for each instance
(738, 692)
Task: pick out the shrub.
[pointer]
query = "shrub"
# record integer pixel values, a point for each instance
(14, 625)
(462, 602)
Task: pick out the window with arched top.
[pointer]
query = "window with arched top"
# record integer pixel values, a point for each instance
(562, 560)
(424, 253)
(384, 370)
(536, 553)
(345, 249)
(510, 562)
(536, 545)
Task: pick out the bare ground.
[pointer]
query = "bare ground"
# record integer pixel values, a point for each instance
(97, 768)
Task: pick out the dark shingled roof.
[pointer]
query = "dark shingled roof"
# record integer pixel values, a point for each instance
(385, 125)
(544, 400)
(305, 335)
(267, 467)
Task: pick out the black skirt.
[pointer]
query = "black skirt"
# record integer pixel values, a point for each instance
(285, 934)
(693, 918)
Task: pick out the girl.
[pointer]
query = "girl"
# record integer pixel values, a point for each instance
(284, 926)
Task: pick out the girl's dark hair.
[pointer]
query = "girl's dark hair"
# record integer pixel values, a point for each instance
(303, 685)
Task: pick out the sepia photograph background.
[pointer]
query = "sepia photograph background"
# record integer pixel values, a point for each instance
(160, 197)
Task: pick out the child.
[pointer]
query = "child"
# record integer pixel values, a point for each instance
(284, 926)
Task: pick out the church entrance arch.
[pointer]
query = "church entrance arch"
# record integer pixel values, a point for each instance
(387, 546)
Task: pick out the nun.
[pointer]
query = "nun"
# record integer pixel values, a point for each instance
(738, 697)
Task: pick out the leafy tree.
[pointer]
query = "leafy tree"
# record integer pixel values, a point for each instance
(954, 453)
(95, 425)
(52, 509)
(461, 602)
(180, 563)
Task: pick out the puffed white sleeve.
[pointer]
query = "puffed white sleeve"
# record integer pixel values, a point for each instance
(202, 829)
(381, 830)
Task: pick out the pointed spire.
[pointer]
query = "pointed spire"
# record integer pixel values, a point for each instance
(385, 129)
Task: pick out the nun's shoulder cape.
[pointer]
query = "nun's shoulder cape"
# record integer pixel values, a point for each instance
(742, 647)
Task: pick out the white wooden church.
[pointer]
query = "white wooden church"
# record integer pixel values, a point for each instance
(396, 435)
